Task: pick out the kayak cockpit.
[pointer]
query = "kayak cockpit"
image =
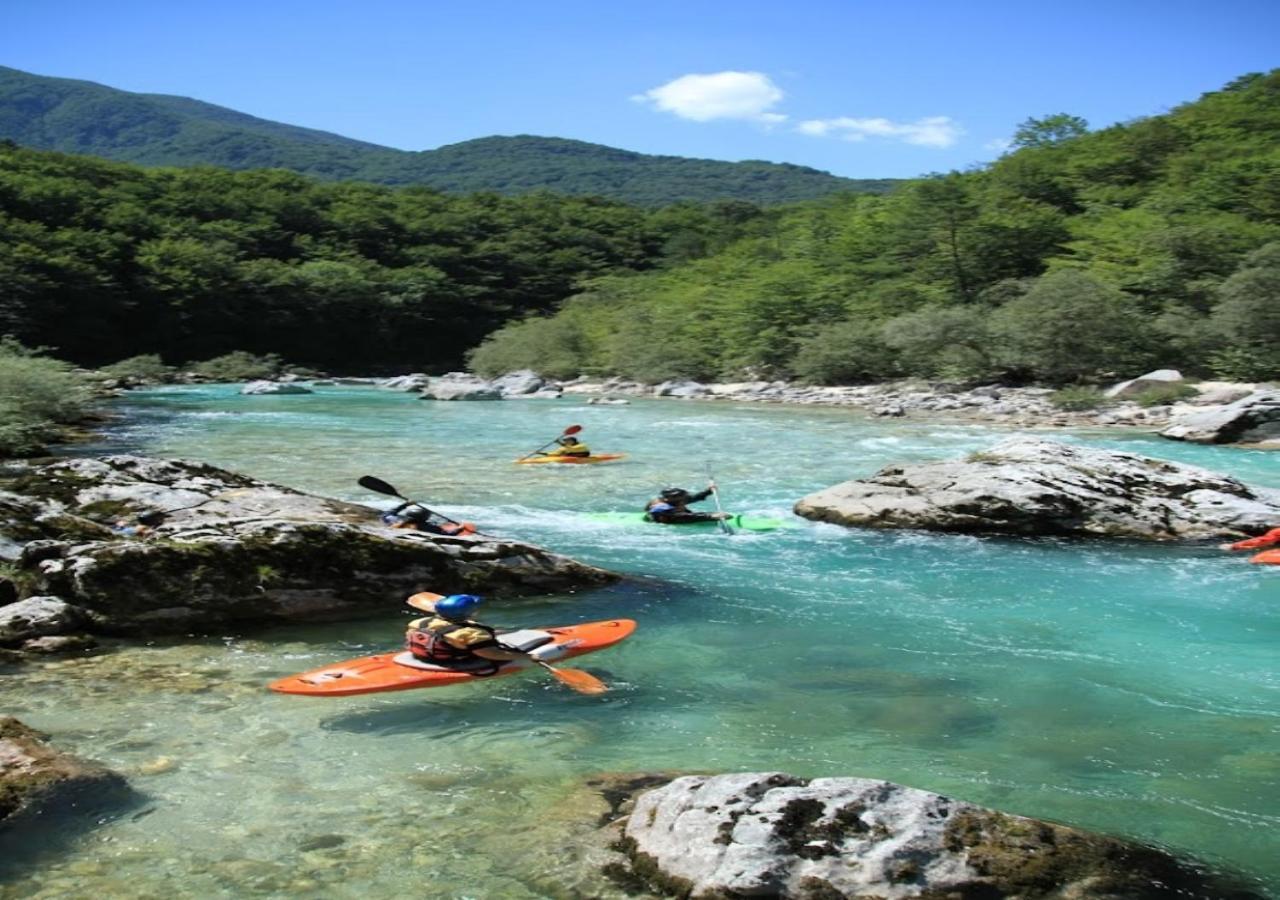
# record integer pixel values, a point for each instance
(525, 640)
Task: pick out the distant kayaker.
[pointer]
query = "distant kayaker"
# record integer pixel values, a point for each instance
(569, 446)
(1262, 542)
(671, 507)
(450, 637)
(417, 517)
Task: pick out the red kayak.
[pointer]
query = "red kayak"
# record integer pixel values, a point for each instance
(400, 671)
(1266, 558)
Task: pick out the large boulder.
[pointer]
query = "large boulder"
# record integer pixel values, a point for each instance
(514, 384)
(1033, 486)
(221, 548)
(35, 778)
(274, 387)
(38, 617)
(415, 382)
(682, 389)
(774, 835)
(1136, 386)
(1253, 419)
(460, 390)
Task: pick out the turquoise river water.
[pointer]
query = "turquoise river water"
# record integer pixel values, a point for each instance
(1118, 686)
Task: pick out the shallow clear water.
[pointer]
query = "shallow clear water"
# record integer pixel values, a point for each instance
(1123, 687)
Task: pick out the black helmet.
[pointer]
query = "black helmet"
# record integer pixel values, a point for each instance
(566, 439)
(674, 493)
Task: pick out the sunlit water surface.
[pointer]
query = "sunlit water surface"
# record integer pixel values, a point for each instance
(1118, 686)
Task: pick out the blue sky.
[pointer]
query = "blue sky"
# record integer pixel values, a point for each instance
(885, 89)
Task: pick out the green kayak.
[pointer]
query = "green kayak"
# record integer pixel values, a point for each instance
(737, 523)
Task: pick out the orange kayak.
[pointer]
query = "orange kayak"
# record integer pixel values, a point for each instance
(399, 671)
(597, 458)
(1266, 558)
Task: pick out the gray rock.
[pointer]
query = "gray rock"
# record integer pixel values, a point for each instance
(35, 778)
(891, 410)
(1219, 396)
(1252, 419)
(457, 390)
(415, 382)
(37, 617)
(59, 643)
(230, 549)
(1133, 387)
(774, 835)
(1033, 486)
(525, 381)
(274, 387)
(681, 389)
(608, 401)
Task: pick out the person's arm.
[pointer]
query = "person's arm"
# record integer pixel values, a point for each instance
(701, 495)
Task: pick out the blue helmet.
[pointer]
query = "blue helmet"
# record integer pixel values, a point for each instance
(457, 606)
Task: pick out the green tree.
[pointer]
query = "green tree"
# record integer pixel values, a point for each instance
(1049, 130)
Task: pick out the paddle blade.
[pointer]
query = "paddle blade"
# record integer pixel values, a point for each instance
(580, 681)
(378, 485)
(572, 429)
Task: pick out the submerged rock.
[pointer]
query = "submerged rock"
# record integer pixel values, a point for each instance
(224, 548)
(774, 835)
(35, 778)
(1253, 419)
(1034, 486)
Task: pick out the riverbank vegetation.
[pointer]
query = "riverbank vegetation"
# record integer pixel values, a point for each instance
(1075, 256)
(39, 397)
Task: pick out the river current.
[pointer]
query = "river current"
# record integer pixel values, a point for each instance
(1117, 686)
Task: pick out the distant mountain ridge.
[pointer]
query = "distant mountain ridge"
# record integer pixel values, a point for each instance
(161, 130)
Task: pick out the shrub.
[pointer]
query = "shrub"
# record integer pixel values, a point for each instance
(1070, 326)
(552, 347)
(147, 367)
(1164, 395)
(37, 395)
(1079, 398)
(845, 353)
(238, 366)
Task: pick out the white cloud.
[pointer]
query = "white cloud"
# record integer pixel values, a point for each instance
(934, 131)
(722, 95)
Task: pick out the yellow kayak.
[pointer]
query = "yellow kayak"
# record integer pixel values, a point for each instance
(575, 460)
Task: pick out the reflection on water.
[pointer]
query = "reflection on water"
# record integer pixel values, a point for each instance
(1124, 687)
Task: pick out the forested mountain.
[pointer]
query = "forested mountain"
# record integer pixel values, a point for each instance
(101, 261)
(1078, 255)
(158, 130)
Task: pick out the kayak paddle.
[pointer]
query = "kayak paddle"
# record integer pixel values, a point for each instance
(381, 487)
(580, 681)
(571, 430)
(715, 492)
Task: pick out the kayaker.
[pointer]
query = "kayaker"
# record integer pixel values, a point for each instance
(450, 637)
(569, 446)
(419, 518)
(1262, 542)
(671, 507)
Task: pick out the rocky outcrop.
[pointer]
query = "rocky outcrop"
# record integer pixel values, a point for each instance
(681, 389)
(415, 382)
(1254, 419)
(1033, 486)
(35, 778)
(126, 544)
(774, 835)
(274, 387)
(1158, 379)
(37, 617)
(460, 390)
(515, 384)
